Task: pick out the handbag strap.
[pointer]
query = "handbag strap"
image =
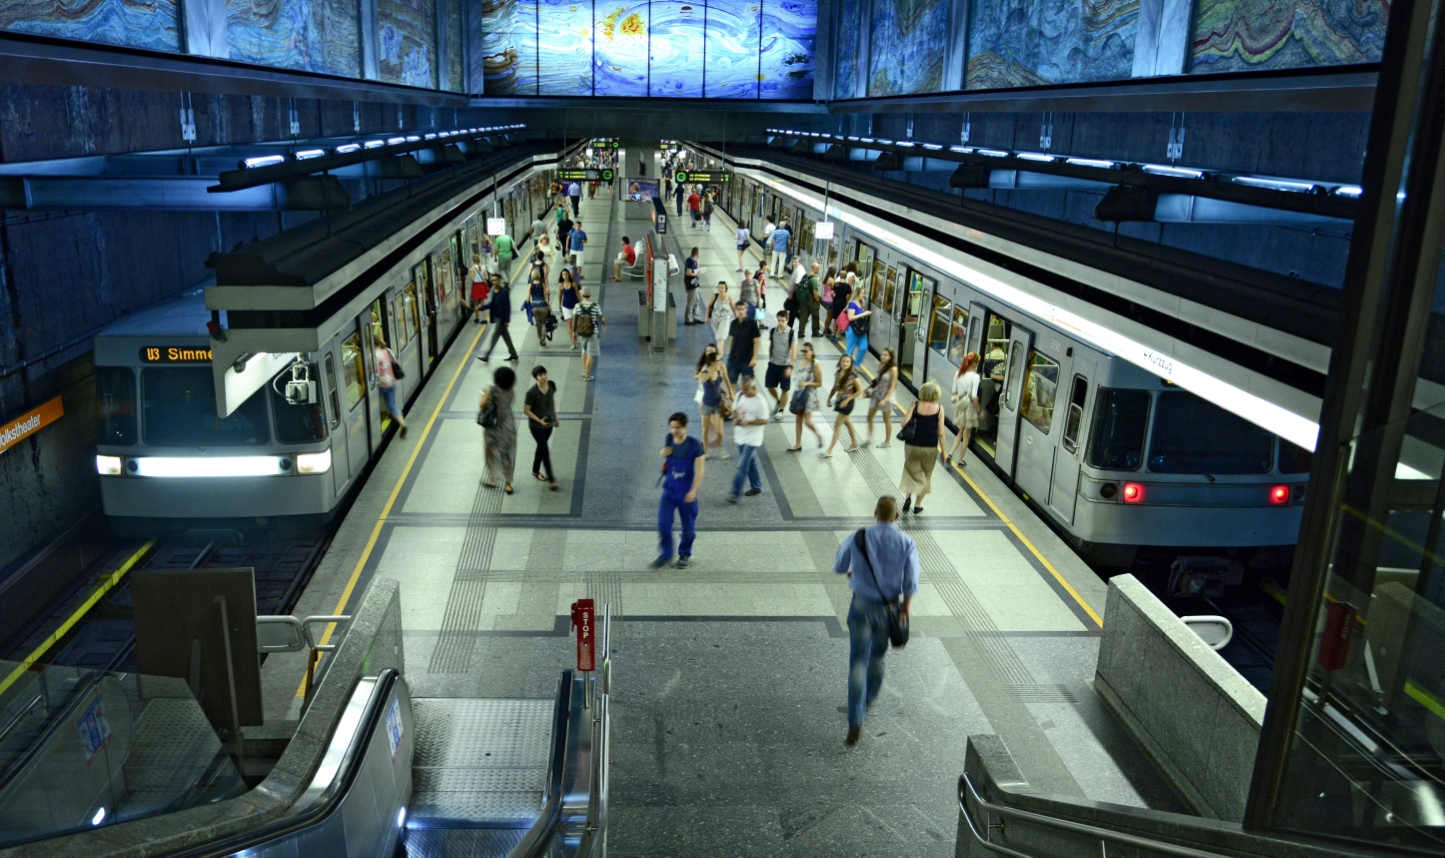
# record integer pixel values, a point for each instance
(860, 541)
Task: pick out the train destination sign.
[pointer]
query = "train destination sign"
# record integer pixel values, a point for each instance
(14, 431)
(705, 178)
(174, 354)
(589, 175)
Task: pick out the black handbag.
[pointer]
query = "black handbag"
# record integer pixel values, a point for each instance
(487, 417)
(908, 430)
(396, 371)
(897, 623)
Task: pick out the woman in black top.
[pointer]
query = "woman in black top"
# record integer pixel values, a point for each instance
(925, 447)
(540, 406)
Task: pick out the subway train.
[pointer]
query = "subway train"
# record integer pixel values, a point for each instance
(1123, 462)
(310, 420)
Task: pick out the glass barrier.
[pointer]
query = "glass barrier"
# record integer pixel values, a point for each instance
(83, 748)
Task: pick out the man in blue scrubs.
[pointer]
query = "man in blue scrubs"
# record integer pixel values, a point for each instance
(682, 466)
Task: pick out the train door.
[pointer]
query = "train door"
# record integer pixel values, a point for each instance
(409, 325)
(340, 435)
(880, 301)
(356, 381)
(422, 274)
(1011, 389)
(1038, 396)
(916, 295)
(1065, 488)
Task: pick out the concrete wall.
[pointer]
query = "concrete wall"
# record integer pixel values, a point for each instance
(65, 274)
(1194, 714)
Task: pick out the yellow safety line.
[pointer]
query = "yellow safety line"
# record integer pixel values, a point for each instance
(106, 585)
(1094, 615)
(396, 491)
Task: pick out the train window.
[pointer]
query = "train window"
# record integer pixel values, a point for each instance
(179, 410)
(296, 424)
(401, 328)
(958, 335)
(413, 318)
(331, 396)
(353, 370)
(1075, 419)
(115, 404)
(1014, 364)
(938, 330)
(1041, 390)
(1294, 459)
(1195, 436)
(1116, 441)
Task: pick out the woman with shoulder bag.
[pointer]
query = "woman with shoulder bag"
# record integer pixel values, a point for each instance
(716, 393)
(847, 387)
(965, 406)
(478, 293)
(807, 378)
(880, 396)
(720, 314)
(922, 437)
(501, 437)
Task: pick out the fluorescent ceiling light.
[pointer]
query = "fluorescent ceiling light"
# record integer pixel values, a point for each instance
(1274, 184)
(934, 146)
(1177, 172)
(431, 137)
(412, 138)
(1295, 428)
(209, 466)
(348, 148)
(962, 150)
(885, 142)
(992, 153)
(1034, 156)
(264, 161)
(864, 139)
(1090, 162)
(905, 143)
(393, 141)
(308, 154)
(1349, 190)
(375, 144)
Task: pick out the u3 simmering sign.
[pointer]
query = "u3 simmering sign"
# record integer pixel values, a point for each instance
(175, 354)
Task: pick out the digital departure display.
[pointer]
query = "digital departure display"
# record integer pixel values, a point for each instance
(710, 178)
(174, 354)
(603, 175)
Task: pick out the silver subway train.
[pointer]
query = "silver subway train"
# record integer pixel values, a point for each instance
(288, 451)
(1116, 457)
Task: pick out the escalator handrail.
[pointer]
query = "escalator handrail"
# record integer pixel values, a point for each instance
(538, 838)
(967, 793)
(330, 799)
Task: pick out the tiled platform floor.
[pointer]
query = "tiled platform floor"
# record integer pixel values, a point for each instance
(729, 676)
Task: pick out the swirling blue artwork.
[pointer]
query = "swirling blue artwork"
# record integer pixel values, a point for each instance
(850, 21)
(150, 24)
(657, 48)
(907, 48)
(314, 35)
(733, 34)
(1031, 42)
(408, 41)
(1248, 35)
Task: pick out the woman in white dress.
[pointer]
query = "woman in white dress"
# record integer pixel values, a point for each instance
(720, 314)
(965, 405)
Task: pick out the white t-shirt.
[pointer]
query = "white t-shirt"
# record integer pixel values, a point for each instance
(965, 385)
(768, 231)
(742, 235)
(749, 408)
(798, 274)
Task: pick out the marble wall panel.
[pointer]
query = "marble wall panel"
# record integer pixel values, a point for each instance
(408, 38)
(1027, 43)
(310, 35)
(850, 20)
(1245, 35)
(455, 50)
(149, 24)
(909, 42)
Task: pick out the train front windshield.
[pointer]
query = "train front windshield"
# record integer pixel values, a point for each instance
(179, 410)
(1194, 436)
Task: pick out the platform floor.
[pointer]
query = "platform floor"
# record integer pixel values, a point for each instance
(730, 677)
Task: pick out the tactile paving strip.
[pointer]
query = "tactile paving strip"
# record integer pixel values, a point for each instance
(463, 614)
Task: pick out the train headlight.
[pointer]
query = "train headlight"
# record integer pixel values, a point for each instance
(313, 463)
(1133, 492)
(1279, 495)
(108, 465)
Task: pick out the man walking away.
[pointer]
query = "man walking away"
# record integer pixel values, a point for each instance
(881, 572)
(564, 230)
(683, 459)
(744, 338)
(505, 251)
(680, 193)
(540, 407)
(500, 306)
(692, 313)
(750, 420)
(782, 351)
(574, 191)
(589, 325)
(808, 301)
(780, 238)
(694, 206)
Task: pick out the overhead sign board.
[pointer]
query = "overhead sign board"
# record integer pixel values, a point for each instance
(705, 178)
(27, 424)
(589, 175)
(175, 354)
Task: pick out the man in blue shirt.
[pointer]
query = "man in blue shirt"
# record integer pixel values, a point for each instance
(574, 191)
(888, 572)
(780, 238)
(682, 466)
(577, 241)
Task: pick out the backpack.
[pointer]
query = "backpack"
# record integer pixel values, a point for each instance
(584, 325)
(807, 291)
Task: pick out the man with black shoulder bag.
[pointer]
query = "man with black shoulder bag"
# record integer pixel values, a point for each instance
(881, 563)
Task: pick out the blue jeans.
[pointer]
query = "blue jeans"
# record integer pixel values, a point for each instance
(867, 644)
(747, 468)
(688, 513)
(738, 370)
(388, 396)
(855, 341)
